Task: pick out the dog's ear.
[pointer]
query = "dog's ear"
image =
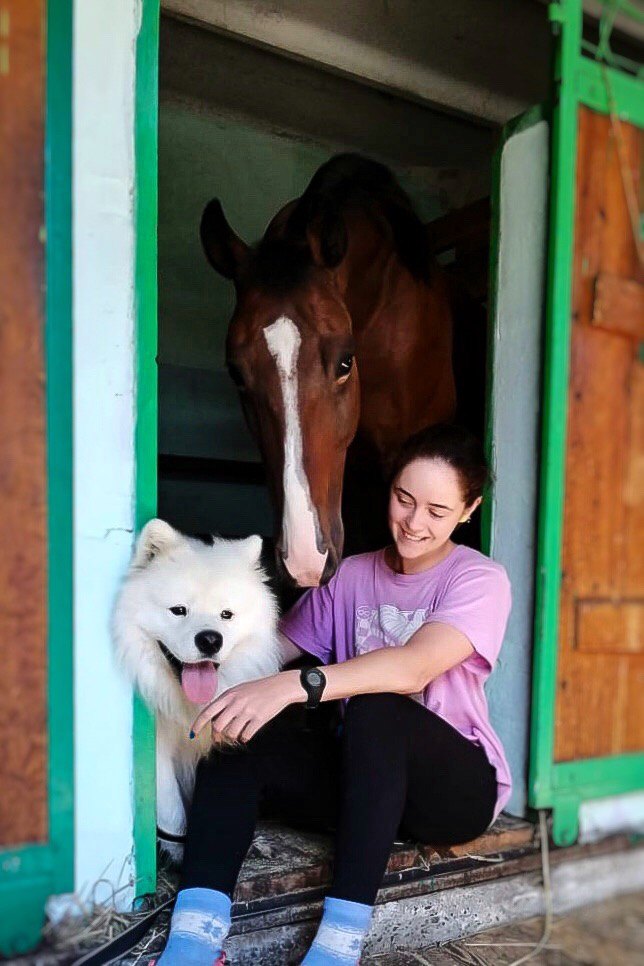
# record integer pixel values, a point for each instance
(252, 547)
(156, 537)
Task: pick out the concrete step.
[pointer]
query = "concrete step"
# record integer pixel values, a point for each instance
(429, 895)
(448, 903)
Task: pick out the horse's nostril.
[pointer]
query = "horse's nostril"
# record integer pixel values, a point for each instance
(209, 642)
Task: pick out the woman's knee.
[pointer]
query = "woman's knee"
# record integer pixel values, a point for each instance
(375, 712)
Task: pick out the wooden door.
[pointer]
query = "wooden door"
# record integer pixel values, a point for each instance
(600, 675)
(23, 486)
(36, 745)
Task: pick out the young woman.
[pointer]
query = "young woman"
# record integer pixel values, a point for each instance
(407, 636)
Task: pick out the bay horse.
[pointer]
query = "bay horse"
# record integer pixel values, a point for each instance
(342, 329)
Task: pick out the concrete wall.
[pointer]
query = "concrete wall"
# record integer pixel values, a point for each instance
(516, 347)
(104, 400)
(103, 305)
(488, 60)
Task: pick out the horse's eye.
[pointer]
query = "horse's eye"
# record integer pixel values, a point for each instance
(179, 610)
(226, 615)
(236, 375)
(345, 365)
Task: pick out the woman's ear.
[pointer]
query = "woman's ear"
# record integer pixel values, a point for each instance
(469, 510)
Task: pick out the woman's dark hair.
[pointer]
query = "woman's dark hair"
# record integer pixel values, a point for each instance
(455, 446)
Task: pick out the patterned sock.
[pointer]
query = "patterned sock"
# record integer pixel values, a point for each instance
(339, 938)
(199, 926)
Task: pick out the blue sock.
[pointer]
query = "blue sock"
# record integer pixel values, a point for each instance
(340, 935)
(199, 926)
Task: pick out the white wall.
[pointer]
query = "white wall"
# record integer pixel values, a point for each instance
(449, 52)
(517, 336)
(103, 245)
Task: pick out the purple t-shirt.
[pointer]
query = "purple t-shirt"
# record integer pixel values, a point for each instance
(366, 605)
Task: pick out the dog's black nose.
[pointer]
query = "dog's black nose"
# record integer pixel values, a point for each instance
(209, 642)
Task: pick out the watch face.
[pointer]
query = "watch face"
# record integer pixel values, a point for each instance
(314, 677)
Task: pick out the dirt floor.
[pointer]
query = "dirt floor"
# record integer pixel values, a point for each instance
(607, 934)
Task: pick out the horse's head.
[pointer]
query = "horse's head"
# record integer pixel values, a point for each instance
(290, 352)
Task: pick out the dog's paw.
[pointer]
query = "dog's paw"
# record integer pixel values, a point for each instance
(171, 846)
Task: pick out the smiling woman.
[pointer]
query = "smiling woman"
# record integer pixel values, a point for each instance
(425, 508)
(408, 636)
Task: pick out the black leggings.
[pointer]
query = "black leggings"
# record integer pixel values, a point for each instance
(397, 769)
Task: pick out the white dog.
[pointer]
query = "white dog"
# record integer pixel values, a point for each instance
(191, 621)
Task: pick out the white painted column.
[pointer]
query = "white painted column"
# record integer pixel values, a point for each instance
(104, 420)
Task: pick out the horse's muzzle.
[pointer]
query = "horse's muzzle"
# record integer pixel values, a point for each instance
(308, 578)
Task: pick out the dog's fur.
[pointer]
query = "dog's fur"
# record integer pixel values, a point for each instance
(168, 570)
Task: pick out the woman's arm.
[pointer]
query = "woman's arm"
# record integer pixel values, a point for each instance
(288, 651)
(432, 650)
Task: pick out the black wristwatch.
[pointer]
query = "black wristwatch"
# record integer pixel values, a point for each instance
(314, 683)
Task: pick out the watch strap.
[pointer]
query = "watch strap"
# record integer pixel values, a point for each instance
(314, 682)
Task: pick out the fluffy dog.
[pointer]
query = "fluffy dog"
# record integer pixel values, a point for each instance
(191, 620)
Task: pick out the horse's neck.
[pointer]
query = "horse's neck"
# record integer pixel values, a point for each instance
(365, 275)
(403, 331)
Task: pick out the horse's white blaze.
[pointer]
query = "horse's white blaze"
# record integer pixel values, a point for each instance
(302, 558)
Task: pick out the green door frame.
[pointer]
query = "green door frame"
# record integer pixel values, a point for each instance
(146, 323)
(31, 872)
(579, 80)
(562, 786)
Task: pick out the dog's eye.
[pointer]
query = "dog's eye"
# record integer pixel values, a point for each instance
(179, 611)
(226, 615)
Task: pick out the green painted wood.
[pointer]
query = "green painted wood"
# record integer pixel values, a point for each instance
(597, 777)
(28, 875)
(556, 369)
(58, 348)
(565, 818)
(599, 86)
(146, 158)
(562, 786)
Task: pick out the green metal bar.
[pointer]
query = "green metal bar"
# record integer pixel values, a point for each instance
(568, 15)
(30, 873)
(488, 506)
(562, 786)
(628, 92)
(597, 777)
(146, 160)
(565, 818)
(58, 347)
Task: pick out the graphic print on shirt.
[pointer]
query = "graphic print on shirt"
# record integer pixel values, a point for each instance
(386, 626)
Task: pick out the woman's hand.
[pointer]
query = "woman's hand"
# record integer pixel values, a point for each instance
(241, 711)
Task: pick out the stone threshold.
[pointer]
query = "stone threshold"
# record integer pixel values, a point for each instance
(447, 892)
(285, 866)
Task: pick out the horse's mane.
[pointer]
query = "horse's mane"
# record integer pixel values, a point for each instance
(347, 182)
(350, 182)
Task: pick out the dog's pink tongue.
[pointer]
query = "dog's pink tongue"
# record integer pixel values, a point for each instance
(199, 682)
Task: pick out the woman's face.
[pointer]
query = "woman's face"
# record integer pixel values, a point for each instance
(425, 505)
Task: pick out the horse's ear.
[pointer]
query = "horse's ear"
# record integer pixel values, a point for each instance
(327, 238)
(320, 222)
(225, 251)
